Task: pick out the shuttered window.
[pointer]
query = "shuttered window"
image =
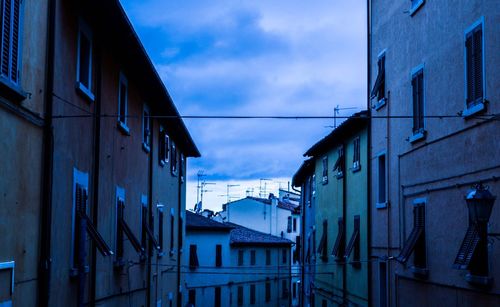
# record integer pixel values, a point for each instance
(218, 255)
(240, 295)
(378, 90)
(160, 229)
(122, 230)
(163, 146)
(284, 289)
(83, 225)
(467, 248)
(147, 232)
(474, 65)
(193, 257)
(252, 257)
(10, 53)
(298, 248)
(416, 241)
(325, 170)
(123, 103)
(356, 163)
(323, 243)
(217, 297)
(354, 242)
(172, 224)
(240, 257)
(84, 60)
(146, 129)
(173, 162)
(339, 247)
(417, 85)
(268, 257)
(289, 225)
(268, 291)
(252, 294)
(339, 165)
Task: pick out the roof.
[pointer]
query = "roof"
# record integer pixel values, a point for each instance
(199, 222)
(244, 236)
(354, 123)
(266, 201)
(307, 168)
(117, 33)
(288, 206)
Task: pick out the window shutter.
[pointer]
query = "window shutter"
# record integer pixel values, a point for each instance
(338, 248)
(414, 86)
(469, 72)
(420, 110)
(289, 225)
(478, 63)
(15, 40)
(467, 248)
(6, 25)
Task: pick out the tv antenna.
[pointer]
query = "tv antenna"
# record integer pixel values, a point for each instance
(336, 112)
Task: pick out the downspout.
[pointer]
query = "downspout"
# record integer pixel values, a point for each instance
(179, 232)
(95, 181)
(369, 153)
(302, 256)
(150, 210)
(344, 212)
(47, 164)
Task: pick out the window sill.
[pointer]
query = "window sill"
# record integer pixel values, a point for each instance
(85, 92)
(356, 167)
(381, 205)
(325, 180)
(416, 7)
(146, 148)
(417, 136)
(340, 175)
(380, 103)
(123, 128)
(11, 91)
(484, 281)
(474, 109)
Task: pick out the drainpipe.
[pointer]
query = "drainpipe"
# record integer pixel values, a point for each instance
(95, 172)
(369, 153)
(179, 232)
(47, 164)
(150, 210)
(344, 212)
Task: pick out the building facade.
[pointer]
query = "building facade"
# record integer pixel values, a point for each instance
(337, 233)
(231, 265)
(106, 189)
(434, 97)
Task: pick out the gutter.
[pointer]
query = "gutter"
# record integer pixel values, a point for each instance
(47, 164)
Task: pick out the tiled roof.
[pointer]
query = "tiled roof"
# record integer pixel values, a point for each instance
(244, 236)
(198, 222)
(289, 206)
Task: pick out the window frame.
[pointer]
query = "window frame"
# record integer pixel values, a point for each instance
(418, 133)
(122, 125)
(146, 122)
(477, 106)
(381, 58)
(85, 31)
(379, 203)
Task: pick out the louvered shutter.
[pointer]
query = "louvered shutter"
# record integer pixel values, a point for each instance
(15, 41)
(119, 229)
(420, 110)
(477, 42)
(6, 36)
(467, 248)
(338, 248)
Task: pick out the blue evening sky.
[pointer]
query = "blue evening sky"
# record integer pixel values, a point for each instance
(254, 57)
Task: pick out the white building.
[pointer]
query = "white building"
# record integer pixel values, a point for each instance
(230, 265)
(278, 216)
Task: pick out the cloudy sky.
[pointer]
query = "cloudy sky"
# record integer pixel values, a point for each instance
(254, 57)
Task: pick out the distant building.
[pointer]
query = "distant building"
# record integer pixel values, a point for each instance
(436, 64)
(335, 214)
(278, 216)
(231, 265)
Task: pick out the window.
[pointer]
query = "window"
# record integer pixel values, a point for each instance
(325, 170)
(147, 232)
(296, 252)
(10, 53)
(378, 90)
(84, 61)
(146, 129)
(382, 276)
(240, 295)
(172, 224)
(416, 241)
(218, 255)
(356, 163)
(217, 297)
(83, 225)
(294, 224)
(122, 104)
(468, 247)
(284, 289)
(340, 163)
(193, 257)
(163, 146)
(417, 85)
(382, 182)
(159, 207)
(252, 257)
(294, 290)
(173, 163)
(192, 297)
(284, 256)
(240, 257)
(268, 257)
(354, 243)
(289, 225)
(339, 246)
(474, 68)
(323, 243)
(268, 290)
(252, 294)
